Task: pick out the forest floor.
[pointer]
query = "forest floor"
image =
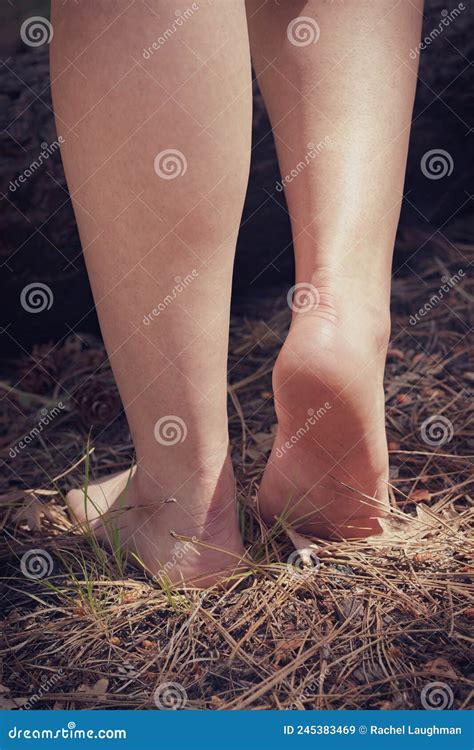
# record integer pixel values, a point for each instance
(383, 623)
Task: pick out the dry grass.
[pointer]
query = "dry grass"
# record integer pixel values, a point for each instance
(378, 622)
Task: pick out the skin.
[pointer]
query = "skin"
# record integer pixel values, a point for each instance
(352, 90)
(116, 111)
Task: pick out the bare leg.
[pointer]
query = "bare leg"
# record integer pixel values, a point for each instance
(342, 80)
(156, 152)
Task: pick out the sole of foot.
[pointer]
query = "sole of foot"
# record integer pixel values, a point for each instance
(328, 470)
(189, 541)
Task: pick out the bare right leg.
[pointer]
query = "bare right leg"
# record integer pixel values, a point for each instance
(157, 158)
(338, 76)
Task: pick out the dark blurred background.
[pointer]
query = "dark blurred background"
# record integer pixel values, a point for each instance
(39, 240)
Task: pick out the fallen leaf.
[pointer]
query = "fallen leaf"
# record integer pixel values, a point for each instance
(216, 700)
(254, 454)
(351, 607)
(6, 704)
(396, 353)
(435, 392)
(429, 520)
(289, 645)
(368, 672)
(129, 597)
(79, 609)
(32, 512)
(263, 442)
(441, 667)
(399, 527)
(423, 557)
(97, 688)
(404, 398)
(418, 495)
(284, 646)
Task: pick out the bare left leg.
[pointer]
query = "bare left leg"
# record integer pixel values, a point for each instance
(157, 162)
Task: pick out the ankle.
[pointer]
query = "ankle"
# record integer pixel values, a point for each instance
(197, 476)
(347, 307)
(201, 506)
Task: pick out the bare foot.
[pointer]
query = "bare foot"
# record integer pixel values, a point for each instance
(328, 470)
(191, 538)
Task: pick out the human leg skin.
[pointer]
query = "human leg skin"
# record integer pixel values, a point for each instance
(156, 153)
(338, 82)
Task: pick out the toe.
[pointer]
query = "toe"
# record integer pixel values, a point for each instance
(75, 504)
